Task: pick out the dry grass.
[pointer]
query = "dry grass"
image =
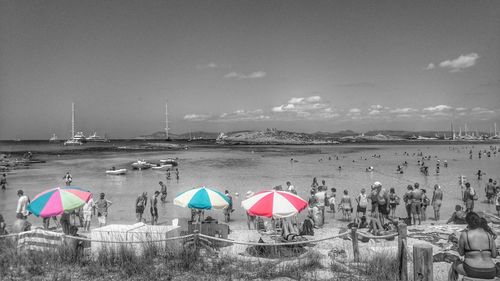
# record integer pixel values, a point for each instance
(156, 262)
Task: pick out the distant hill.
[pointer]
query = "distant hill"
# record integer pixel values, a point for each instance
(272, 136)
(185, 136)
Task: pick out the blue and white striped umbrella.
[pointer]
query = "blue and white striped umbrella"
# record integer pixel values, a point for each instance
(202, 198)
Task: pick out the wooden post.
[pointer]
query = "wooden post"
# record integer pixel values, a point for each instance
(195, 239)
(422, 262)
(402, 252)
(355, 247)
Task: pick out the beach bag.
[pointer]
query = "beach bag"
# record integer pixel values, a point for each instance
(363, 201)
(426, 201)
(307, 227)
(331, 201)
(474, 194)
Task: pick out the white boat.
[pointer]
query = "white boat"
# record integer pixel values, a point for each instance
(162, 167)
(78, 138)
(96, 138)
(116, 172)
(170, 161)
(54, 138)
(141, 165)
(73, 142)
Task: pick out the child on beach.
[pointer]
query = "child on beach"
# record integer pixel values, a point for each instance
(393, 202)
(362, 202)
(88, 210)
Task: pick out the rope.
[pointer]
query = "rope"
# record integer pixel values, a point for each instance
(378, 237)
(274, 244)
(9, 235)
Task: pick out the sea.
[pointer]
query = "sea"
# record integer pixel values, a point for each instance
(243, 168)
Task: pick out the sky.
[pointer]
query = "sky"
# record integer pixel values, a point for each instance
(304, 66)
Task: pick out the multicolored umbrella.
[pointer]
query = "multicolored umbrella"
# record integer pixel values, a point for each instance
(274, 204)
(57, 200)
(202, 198)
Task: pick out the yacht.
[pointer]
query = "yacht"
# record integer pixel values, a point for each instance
(73, 142)
(80, 136)
(96, 138)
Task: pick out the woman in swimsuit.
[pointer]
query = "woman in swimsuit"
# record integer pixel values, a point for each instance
(477, 244)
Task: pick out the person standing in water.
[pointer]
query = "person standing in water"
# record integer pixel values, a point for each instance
(3, 182)
(102, 206)
(468, 197)
(163, 190)
(68, 179)
(416, 203)
(140, 205)
(437, 199)
(154, 208)
(490, 191)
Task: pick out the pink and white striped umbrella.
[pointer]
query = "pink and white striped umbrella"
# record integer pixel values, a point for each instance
(273, 203)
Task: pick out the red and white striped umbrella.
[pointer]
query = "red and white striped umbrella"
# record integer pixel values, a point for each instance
(273, 203)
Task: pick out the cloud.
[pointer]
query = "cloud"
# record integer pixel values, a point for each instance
(310, 108)
(243, 115)
(374, 112)
(440, 107)
(430, 66)
(357, 85)
(462, 62)
(253, 75)
(354, 110)
(460, 109)
(197, 117)
(404, 110)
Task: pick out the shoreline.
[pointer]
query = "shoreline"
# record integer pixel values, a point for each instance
(151, 145)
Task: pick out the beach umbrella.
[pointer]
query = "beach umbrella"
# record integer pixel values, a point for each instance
(58, 200)
(202, 198)
(274, 204)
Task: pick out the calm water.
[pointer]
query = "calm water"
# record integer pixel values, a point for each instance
(243, 168)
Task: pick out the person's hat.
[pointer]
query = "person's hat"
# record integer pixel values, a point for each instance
(377, 184)
(249, 194)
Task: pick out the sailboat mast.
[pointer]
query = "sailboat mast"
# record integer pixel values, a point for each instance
(452, 131)
(166, 121)
(495, 125)
(72, 120)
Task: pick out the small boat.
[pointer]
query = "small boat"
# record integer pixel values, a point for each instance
(141, 165)
(54, 138)
(162, 167)
(170, 161)
(96, 138)
(116, 172)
